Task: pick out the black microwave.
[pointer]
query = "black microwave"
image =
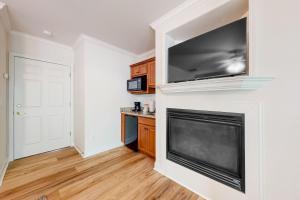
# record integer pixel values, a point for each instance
(137, 84)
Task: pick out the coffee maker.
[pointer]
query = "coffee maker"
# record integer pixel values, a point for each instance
(137, 107)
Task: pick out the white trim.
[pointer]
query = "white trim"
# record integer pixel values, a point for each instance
(79, 151)
(173, 12)
(261, 151)
(203, 6)
(37, 58)
(217, 84)
(87, 38)
(11, 73)
(83, 37)
(11, 99)
(40, 39)
(4, 17)
(77, 42)
(72, 103)
(251, 38)
(3, 170)
(146, 55)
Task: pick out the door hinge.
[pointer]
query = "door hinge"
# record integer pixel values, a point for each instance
(70, 75)
(70, 133)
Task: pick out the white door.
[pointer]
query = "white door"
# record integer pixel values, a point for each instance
(41, 107)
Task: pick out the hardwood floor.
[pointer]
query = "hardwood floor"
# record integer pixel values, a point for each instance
(119, 174)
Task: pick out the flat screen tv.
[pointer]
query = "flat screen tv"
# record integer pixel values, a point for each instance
(219, 53)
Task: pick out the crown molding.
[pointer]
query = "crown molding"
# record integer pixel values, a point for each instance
(150, 53)
(78, 41)
(189, 10)
(145, 55)
(4, 17)
(25, 35)
(173, 12)
(86, 38)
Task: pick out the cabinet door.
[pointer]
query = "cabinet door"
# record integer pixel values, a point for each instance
(143, 69)
(151, 74)
(151, 149)
(139, 70)
(135, 71)
(143, 138)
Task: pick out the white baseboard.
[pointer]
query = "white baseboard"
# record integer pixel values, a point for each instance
(79, 151)
(3, 171)
(88, 154)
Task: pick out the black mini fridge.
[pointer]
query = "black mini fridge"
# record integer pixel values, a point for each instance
(131, 132)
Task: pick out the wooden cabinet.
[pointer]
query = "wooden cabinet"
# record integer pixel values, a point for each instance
(151, 74)
(135, 71)
(123, 127)
(144, 68)
(139, 70)
(151, 147)
(146, 135)
(147, 121)
(144, 132)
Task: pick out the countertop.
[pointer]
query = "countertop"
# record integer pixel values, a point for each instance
(139, 114)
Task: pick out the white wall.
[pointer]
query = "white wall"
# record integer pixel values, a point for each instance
(38, 48)
(277, 30)
(105, 70)
(3, 97)
(144, 99)
(272, 112)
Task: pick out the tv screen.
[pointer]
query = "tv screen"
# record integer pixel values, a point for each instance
(218, 53)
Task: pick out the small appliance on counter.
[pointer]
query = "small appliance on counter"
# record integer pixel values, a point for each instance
(146, 109)
(151, 106)
(137, 106)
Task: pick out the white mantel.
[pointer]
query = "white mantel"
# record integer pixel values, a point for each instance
(217, 84)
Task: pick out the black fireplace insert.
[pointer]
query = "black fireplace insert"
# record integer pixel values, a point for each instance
(210, 143)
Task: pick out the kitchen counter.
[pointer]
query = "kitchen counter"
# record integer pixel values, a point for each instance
(138, 131)
(139, 114)
(128, 111)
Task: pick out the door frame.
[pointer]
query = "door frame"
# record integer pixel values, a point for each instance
(11, 87)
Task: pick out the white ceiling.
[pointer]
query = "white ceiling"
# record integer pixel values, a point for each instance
(123, 23)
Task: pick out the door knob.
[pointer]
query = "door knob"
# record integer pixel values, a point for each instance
(19, 113)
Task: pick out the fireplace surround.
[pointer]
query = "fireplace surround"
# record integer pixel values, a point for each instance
(210, 143)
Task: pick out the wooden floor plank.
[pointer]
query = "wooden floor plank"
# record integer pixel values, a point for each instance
(119, 174)
(20, 163)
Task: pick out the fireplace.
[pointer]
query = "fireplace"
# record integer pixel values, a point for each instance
(210, 143)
